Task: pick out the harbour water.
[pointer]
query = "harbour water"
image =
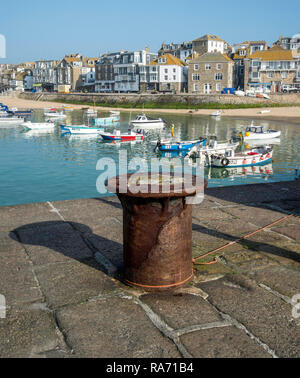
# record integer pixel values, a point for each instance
(40, 166)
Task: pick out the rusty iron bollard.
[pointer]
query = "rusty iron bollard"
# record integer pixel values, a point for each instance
(157, 234)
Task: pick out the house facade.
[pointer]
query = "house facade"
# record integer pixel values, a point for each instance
(272, 69)
(166, 73)
(104, 73)
(44, 77)
(208, 44)
(210, 73)
(127, 69)
(180, 50)
(71, 69)
(240, 52)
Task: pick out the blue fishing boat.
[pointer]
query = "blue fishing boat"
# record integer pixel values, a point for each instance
(108, 121)
(168, 146)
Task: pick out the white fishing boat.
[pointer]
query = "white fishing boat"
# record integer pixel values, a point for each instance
(257, 132)
(142, 121)
(231, 159)
(11, 121)
(81, 129)
(212, 147)
(55, 114)
(38, 125)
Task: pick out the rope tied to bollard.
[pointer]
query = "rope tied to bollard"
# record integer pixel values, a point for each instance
(238, 240)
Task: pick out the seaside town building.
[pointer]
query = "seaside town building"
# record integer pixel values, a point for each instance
(104, 72)
(44, 78)
(71, 69)
(240, 52)
(127, 69)
(272, 69)
(166, 73)
(210, 73)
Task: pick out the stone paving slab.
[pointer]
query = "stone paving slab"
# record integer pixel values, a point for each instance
(176, 310)
(25, 215)
(73, 282)
(282, 280)
(113, 328)
(266, 316)
(226, 342)
(28, 333)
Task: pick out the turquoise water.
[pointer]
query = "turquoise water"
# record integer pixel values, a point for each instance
(38, 167)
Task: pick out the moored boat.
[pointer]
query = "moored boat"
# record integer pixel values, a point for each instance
(122, 137)
(108, 121)
(213, 146)
(142, 121)
(11, 121)
(217, 113)
(231, 159)
(168, 145)
(258, 132)
(38, 125)
(81, 129)
(55, 114)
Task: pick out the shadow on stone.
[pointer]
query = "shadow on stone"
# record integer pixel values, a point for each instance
(71, 240)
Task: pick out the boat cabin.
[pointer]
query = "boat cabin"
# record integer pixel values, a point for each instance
(255, 129)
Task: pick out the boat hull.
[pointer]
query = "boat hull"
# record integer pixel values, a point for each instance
(243, 161)
(112, 137)
(81, 130)
(150, 124)
(171, 147)
(263, 136)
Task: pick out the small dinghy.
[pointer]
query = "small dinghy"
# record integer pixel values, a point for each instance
(81, 129)
(257, 132)
(166, 145)
(38, 125)
(55, 114)
(11, 121)
(216, 114)
(122, 137)
(115, 112)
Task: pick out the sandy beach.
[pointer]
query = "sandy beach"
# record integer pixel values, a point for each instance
(286, 114)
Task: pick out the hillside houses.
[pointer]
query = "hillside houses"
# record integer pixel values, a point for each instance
(204, 65)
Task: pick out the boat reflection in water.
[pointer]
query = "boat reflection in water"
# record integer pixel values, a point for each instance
(240, 172)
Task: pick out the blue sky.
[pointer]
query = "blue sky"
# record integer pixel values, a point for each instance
(50, 29)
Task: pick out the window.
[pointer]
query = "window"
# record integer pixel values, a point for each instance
(195, 77)
(174, 77)
(207, 88)
(174, 70)
(270, 75)
(255, 63)
(219, 76)
(219, 66)
(207, 66)
(255, 75)
(166, 70)
(284, 75)
(196, 67)
(196, 88)
(166, 78)
(218, 87)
